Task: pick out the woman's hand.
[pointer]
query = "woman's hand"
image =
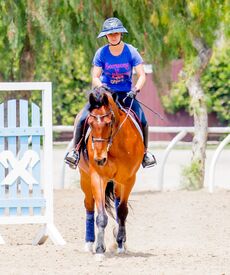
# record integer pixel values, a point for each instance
(132, 94)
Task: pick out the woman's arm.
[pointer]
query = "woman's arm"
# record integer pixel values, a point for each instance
(141, 77)
(96, 73)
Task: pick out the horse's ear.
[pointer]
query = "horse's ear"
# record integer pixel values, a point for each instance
(105, 100)
(92, 100)
(115, 97)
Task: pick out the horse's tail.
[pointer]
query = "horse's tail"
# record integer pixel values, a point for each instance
(109, 198)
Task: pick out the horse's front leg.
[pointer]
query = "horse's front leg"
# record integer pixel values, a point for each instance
(98, 188)
(89, 206)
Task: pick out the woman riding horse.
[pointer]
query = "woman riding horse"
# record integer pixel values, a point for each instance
(115, 151)
(113, 66)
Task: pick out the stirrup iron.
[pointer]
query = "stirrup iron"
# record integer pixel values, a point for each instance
(149, 160)
(72, 158)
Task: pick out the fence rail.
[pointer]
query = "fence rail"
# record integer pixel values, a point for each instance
(180, 132)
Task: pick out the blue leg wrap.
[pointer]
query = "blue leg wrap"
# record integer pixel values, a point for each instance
(116, 203)
(90, 234)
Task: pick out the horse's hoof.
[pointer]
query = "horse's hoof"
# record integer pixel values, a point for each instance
(99, 257)
(121, 250)
(100, 250)
(89, 247)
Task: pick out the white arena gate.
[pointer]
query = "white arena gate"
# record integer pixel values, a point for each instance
(26, 159)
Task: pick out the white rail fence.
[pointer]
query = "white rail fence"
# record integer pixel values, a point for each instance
(180, 132)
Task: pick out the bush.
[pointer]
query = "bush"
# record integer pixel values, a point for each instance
(192, 176)
(216, 83)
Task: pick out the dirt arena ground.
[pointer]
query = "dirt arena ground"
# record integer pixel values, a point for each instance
(177, 232)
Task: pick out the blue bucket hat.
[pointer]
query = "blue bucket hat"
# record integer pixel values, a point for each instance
(112, 25)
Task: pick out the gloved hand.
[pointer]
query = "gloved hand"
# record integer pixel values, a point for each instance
(132, 94)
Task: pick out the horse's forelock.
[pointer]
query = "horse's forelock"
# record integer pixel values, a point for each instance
(98, 98)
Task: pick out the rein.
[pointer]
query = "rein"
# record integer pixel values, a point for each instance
(127, 114)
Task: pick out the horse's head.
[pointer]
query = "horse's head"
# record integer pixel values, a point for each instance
(101, 121)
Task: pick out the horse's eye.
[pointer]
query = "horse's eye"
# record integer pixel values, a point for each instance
(90, 120)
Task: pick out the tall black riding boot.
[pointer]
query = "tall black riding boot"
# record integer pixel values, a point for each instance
(149, 160)
(72, 158)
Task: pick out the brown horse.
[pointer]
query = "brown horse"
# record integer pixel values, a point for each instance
(115, 152)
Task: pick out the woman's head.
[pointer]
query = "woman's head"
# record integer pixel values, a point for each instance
(114, 38)
(112, 26)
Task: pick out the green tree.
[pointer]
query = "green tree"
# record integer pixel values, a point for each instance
(183, 29)
(168, 29)
(39, 41)
(45, 38)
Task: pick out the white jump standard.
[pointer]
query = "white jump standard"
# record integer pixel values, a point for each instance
(26, 160)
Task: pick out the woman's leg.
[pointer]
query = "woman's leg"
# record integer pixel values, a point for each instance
(72, 158)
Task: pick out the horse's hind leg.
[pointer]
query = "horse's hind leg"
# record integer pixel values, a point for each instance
(122, 213)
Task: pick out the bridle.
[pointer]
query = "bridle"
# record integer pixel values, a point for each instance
(109, 139)
(112, 135)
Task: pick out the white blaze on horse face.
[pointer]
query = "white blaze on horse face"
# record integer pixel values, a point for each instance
(100, 150)
(98, 119)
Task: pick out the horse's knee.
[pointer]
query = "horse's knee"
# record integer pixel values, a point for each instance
(102, 220)
(122, 212)
(89, 205)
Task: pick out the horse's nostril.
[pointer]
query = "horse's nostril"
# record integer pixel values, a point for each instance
(100, 162)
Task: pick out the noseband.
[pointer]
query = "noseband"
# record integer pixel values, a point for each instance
(100, 139)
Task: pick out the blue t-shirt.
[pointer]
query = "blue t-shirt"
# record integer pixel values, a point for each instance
(117, 70)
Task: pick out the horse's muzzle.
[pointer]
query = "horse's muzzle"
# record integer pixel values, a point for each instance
(101, 162)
